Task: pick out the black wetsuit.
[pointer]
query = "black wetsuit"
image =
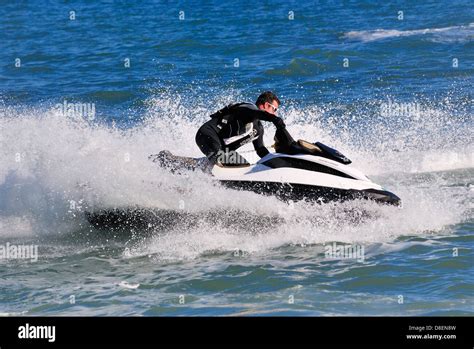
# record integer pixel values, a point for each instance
(238, 121)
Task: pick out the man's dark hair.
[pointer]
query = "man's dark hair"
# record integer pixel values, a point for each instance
(267, 96)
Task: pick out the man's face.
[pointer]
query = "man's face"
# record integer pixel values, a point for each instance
(271, 108)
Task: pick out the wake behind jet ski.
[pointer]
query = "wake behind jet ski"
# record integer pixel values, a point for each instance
(295, 171)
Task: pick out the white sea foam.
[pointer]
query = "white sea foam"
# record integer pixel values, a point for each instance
(460, 33)
(54, 168)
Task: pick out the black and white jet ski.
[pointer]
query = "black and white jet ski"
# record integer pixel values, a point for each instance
(295, 171)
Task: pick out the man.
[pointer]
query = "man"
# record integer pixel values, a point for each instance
(236, 125)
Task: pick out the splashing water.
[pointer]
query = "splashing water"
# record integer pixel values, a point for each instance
(55, 168)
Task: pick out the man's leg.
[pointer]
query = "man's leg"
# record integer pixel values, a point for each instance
(209, 142)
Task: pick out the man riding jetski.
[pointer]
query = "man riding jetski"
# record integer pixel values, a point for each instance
(236, 125)
(296, 170)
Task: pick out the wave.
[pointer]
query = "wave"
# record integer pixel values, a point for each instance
(54, 168)
(460, 33)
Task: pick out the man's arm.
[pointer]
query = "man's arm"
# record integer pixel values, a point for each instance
(251, 111)
(258, 143)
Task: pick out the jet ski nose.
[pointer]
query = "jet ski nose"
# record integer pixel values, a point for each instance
(392, 199)
(383, 197)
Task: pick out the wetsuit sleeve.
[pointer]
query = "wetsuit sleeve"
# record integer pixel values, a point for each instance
(251, 112)
(258, 143)
(261, 115)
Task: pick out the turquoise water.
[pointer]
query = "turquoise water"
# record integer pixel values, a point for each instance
(393, 95)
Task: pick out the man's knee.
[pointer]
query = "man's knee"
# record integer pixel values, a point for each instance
(209, 145)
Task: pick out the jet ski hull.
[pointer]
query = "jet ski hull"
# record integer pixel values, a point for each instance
(303, 177)
(290, 177)
(299, 192)
(296, 171)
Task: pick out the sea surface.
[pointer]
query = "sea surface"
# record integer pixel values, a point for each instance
(89, 89)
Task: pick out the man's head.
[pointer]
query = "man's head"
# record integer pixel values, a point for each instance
(268, 101)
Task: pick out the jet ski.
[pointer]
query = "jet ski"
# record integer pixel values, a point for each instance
(297, 170)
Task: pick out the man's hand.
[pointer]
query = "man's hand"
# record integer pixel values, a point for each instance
(279, 123)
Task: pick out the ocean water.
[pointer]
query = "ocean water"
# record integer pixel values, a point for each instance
(389, 85)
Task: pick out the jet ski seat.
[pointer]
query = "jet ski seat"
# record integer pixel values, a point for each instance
(299, 147)
(310, 147)
(285, 144)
